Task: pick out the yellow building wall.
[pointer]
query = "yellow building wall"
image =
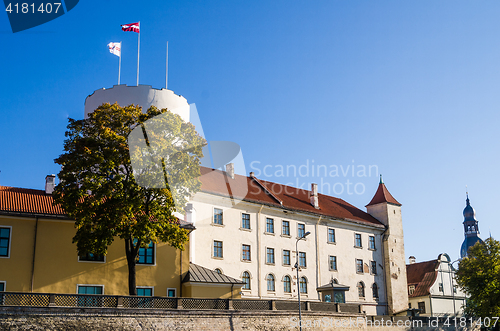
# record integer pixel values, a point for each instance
(57, 269)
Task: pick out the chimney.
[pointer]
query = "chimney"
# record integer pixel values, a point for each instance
(230, 170)
(314, 195)
(50, 184)
(412, 259)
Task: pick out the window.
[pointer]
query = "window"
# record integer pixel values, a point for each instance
(217, 216)
(441, 287)
(270, 283)
(270, 255)
(331, 235)
(245, 221)
(89, 257)
(357, 240)
(285, 228)
(373, 267)
(171, 292)
(332, 262)
(2, 289)
(217, 248)
(287, 284)
(303, 285)
(454, 288)
(411, 289)
(146, 255)
(144, 292)
(371, 242)
(217, 270)
(361, 290)
(2, 286)
(375, 290)
(301, 230)
(302, 259)
(286, 257)
(90, 301)
(245, 252)
(359, 266)
(421, 306)
(269, 225)
(5, 241)
(246, 279)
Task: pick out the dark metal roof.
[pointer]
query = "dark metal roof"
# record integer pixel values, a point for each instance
(338, 287)
(199, 274)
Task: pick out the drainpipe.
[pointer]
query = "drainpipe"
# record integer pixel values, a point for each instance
(318, 260)
(382, 236)
(258, 253)
(34, 251)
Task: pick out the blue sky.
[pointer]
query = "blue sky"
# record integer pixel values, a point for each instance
(410, 87)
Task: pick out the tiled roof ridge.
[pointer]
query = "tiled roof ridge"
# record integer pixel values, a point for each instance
(266, 189)
(293, 198)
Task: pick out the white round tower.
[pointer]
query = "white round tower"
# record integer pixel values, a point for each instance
(142, 95)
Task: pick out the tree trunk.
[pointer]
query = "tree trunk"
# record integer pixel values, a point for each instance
(131, 254)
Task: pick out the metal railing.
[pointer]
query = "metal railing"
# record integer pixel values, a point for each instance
(142, 302)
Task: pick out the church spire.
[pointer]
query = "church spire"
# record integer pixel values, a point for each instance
(471, 228)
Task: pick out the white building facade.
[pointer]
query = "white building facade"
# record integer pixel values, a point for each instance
(254, 238)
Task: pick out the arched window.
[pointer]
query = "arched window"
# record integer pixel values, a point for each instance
(270, 283)
(246, 279)
(375, 290)
(287, 284)
(361, 290)
(217, 270)
(303, 285)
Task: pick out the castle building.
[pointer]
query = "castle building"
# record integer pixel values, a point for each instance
(471, 229)
(251, 230)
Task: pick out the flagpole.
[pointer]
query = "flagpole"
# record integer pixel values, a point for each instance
(120, 63)
(138, 51)
(166, 74)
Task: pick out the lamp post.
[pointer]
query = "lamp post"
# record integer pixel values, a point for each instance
(453, 286)
(297, 267)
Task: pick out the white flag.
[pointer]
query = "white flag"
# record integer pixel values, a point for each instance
(115, 48)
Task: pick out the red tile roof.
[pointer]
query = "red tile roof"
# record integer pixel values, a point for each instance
(421, 275)
(291, 198)
(14, 200)
(383, 195)
(29, 202)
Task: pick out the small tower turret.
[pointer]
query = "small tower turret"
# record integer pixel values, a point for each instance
(386, 209)
(471, 228)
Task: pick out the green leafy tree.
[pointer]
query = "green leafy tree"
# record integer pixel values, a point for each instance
(97, 181)
(479, 276)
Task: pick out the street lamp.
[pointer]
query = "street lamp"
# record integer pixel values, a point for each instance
(298, 282)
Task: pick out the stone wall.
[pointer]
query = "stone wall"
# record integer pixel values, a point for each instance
(86, 319)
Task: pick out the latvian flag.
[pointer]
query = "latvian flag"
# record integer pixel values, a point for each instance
(131, 27)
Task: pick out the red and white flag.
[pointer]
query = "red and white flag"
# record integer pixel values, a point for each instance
(131, 27)
(115, 48)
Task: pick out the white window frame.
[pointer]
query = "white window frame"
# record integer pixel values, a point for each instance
(328, 236)
(336, 263)
(101, 285)
(289, 257)
(146, 264)
(213, 250)
(4, 285)
(10, 241)
(151, 287)
(274, 255)
(175, 292)
(213, 217)
(249, 221)
(83, 261)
